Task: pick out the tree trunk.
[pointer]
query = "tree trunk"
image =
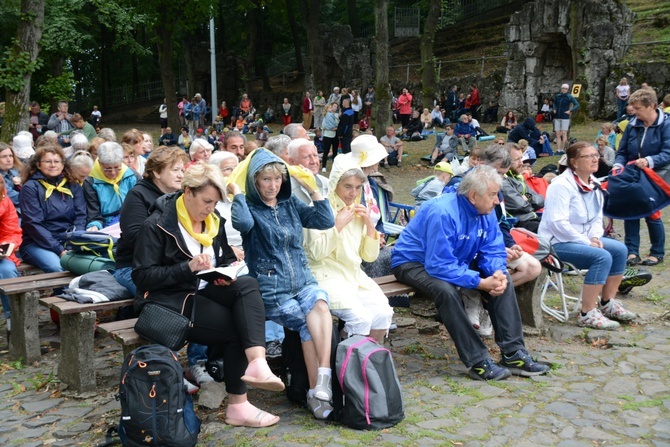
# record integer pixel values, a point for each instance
(252, 33)
(190, 67)
(56, 71)
(167, 73)
(381, 108)
(104, 79)
(428, 83)
(290, 14)
(318, 79)
(29, 34)
(354, 22)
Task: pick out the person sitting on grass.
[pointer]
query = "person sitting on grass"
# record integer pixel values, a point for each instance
(435, 255)
(433, 186)
(413, 129)
(466, 133)
(392, 144)
(448, 148)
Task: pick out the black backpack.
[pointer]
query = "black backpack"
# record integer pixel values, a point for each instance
(294, 371)
(156, 410)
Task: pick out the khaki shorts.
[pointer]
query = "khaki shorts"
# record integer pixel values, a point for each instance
(561, 125)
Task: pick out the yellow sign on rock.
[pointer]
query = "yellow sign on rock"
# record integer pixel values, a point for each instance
(576, 89)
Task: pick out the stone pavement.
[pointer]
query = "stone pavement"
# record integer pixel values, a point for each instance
(606, 388)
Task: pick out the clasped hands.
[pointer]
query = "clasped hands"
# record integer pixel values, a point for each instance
(495, 284)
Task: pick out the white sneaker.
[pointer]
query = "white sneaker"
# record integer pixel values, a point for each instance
(596, 320)
(198, 373)
(323, 390)
(320, 409)
(190, 388)
(472, 301)
(485, 326)
(614, 310)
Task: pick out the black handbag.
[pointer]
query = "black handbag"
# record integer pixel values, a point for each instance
(163, 325)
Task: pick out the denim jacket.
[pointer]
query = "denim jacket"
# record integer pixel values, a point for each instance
(272, 236)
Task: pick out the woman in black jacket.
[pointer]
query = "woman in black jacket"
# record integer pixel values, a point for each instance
(183, 236)
(163, 174)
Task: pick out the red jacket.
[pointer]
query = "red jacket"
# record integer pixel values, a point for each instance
(10, 231)
(307, 105)
(405, 104)
(474, 97)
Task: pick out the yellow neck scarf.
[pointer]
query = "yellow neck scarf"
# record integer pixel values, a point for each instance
(211, 224)
(51, 188)
(98, 174)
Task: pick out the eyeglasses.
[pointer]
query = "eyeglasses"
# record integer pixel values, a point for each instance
(112, 169)
(591, 156)
(51, 162)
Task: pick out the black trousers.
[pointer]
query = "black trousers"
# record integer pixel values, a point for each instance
(232, 317)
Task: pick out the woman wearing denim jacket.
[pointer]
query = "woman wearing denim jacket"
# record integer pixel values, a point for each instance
(271, 220)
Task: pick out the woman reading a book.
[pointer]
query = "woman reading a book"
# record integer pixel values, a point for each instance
(183, 236)
(335, 256)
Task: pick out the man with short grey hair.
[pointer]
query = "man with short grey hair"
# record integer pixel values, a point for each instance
(278, 144)
(302, 152)
(455, 242)
(295, 130)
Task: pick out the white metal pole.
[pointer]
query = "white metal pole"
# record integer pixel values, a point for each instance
(212, 57)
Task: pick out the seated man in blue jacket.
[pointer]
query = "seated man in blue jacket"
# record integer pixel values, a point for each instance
(455, 242)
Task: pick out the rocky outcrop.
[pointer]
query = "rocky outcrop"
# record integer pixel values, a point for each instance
(552, 42)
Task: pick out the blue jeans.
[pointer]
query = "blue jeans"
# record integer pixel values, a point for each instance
(656, 236)
(601, 262)
(196, 353)
(7, 270)
(292, 313)
(273, 331)
(621, 105)
(43, 259)
(123, 277)
(503, 309)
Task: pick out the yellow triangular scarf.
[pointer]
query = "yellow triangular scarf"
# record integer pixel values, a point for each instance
(51, 188)
(211, 224)
(98, 174)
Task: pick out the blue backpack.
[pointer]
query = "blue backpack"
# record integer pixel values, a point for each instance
(156, 410)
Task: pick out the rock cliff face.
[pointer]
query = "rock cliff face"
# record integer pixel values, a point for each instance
(552, 42)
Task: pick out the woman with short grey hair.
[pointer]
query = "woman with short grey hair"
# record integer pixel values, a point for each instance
(106, 187)
(80, 165)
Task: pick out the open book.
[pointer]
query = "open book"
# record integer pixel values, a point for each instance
(6, 249)
(228, 273)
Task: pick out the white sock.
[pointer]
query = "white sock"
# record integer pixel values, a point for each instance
(310, 393)
(326, 371)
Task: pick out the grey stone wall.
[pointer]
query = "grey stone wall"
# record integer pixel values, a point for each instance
(550, 42)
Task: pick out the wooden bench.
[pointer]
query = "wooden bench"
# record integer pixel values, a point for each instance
(24, 294)
(77, 329)
(124, 331)
(528, 296)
